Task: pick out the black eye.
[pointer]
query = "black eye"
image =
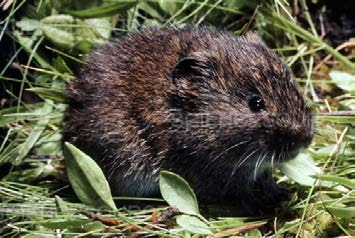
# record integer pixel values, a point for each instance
(256, 104)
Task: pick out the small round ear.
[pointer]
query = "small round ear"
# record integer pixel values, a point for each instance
(194, 66)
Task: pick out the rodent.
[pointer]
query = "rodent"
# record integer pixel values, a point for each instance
(219, 110)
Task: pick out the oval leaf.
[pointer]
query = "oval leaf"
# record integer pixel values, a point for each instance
(193, 224)
(59, 30)
(27, 24)
(301, 169)
(87, 178)
(343, 80)
(177, 193)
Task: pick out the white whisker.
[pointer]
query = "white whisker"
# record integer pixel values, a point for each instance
(272, 161)
(238, 165)
(222, 153)
(257, 166)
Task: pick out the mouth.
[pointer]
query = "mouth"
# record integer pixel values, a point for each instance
(288, 146)
(290, 150)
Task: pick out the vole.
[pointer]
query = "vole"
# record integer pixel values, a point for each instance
(217, 109)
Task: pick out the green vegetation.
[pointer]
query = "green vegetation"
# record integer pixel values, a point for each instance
(42, 45)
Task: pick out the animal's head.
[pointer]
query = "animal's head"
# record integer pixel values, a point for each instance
(235, 98)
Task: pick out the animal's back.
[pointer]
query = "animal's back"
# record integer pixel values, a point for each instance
(111, 104)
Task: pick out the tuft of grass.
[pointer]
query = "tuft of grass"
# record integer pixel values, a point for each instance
(43, 44)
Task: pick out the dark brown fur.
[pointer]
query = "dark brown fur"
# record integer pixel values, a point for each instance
(182, 100)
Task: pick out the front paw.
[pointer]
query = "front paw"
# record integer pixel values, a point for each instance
(250, 204)
(274, 195)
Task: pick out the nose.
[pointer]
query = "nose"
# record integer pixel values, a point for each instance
(293, 139)
(297, 144)
(301, 137)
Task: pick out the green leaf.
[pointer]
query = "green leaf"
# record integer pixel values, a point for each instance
(60, 64)
(54, 94)
(87, 178)
(255, 233)
(7, 115)
(91, 33)
(337, 119)
(60, 204)
(58, 29)
(343, 80)
(101, 26)
(193, 224)
(63, 223)
(348, 104)
(36, 131)
(153, 12)
(301, 169)
(327, 150)
(104, 11)
(67, 32)
(28, 175)
(27, 24)
(168, 6)
(341, 180)
(28, 42)
(230, 222)
(345, 212)
(49, 144)
(177, 193)
(38, 236)
(93, 226)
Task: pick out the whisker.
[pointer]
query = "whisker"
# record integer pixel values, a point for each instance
(238, 165)
(230, 148)
(235, 168)
(287, 152)
(222, 153)
(280, 156)
(258, 165)
(272, 161)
